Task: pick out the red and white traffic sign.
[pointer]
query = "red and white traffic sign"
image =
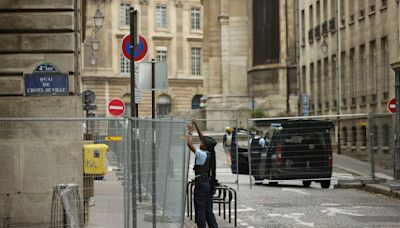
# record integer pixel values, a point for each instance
(140, 50)
(392, 105)
(116, 107)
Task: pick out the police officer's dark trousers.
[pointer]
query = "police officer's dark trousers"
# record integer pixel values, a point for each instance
(203, 204)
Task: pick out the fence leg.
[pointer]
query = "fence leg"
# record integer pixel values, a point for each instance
(371, 124)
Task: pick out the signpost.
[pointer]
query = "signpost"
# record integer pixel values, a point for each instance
(46, 80)
(116, 107)
(392, 105)
(140, 50)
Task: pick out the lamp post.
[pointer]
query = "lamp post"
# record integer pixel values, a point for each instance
(95, 44)
(98, 19)
(324, 46)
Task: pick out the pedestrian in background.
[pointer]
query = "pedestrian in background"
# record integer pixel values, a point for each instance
(227, 142)
(204, 169)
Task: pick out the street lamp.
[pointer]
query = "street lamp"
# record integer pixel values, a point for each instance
(95, 44)
(98, 19)
(93, 60)
(324, 46)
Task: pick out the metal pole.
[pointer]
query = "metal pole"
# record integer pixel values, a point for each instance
(338, 72)
(126, 175)
(133, 16)
(249, 152)
(397, 136)
(372, 143)
(237, 156)
(298, 58)
(153, 150)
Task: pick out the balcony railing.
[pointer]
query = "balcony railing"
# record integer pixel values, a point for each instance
(310, 35)
(325, 28)
(317, 31)
(332, 25)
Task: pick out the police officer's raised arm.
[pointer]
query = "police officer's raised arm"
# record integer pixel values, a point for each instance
(201, 136)
(190, 139)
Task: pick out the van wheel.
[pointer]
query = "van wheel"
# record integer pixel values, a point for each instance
(273, 183)
(325, 183)
(306, 184)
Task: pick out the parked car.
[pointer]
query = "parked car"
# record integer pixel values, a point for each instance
(297, 149)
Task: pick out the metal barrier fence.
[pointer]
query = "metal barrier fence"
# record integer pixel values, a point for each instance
(308, 148)
(94, 155)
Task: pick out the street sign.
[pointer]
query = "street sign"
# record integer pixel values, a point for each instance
(46, 80)
(116, 107)
(161, 76)
(140, 50)
(392, 105)
(138, 96)
(113, 138)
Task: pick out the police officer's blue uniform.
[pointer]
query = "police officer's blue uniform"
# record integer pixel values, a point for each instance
(203, 191)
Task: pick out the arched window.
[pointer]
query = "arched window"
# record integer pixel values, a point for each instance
(344, 136)
(163, 105)
(353, 136)
(386, 135)
(196, 102)
(364, 135)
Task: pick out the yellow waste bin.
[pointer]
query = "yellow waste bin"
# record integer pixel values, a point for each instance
(95, 160)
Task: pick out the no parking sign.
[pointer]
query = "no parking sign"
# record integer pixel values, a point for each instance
(139, 52)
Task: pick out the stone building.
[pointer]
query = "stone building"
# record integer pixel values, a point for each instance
(36, 156)
(249, 58)
(359, 79)
(174, 33)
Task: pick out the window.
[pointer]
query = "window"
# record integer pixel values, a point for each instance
(303, 28)
(353, 76)
(354, 136)
(363, 76)
(361, 5)
(312, 84)
(333, 81)
(124, 14)
(343, 77)
(386, 135)
(385, 67)
(196, 102)
(324, 83)
(372, 69)
(325, 8)
(161, 55)
(364, 135)
(372, 6)
(318, 12)
(196, 61)
(163, 105)
(384, 4)
(344, 136)
(351, 11)
(333, 8)
(342, 12)
(125, 65)
(161, 16)
(303, 80)
(195, 18)
(319, 84)
(311, 17)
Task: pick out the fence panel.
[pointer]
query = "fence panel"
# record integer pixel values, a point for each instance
(300, 148)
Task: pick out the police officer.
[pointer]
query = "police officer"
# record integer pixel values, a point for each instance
(204, 183)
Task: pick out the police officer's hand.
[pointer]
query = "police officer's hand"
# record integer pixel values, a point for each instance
(190, 128)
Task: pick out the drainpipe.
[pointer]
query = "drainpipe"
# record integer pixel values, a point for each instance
(287, 59)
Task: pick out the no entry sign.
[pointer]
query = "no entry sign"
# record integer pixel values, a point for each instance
(116, 107)
(140, 51)
(392, 105)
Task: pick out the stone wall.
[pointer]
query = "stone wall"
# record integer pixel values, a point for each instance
(37, 155)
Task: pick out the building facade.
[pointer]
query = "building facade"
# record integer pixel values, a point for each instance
(346, 48)
(249, 58)
(34, 33)
(174, 33)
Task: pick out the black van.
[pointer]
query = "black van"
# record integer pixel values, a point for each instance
(297, 149)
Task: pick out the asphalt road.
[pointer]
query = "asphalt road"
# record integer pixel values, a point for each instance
(291, 205)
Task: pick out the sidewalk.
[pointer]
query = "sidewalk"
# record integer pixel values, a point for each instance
(382, 184)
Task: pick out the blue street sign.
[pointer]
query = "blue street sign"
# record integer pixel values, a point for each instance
(46, 81)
